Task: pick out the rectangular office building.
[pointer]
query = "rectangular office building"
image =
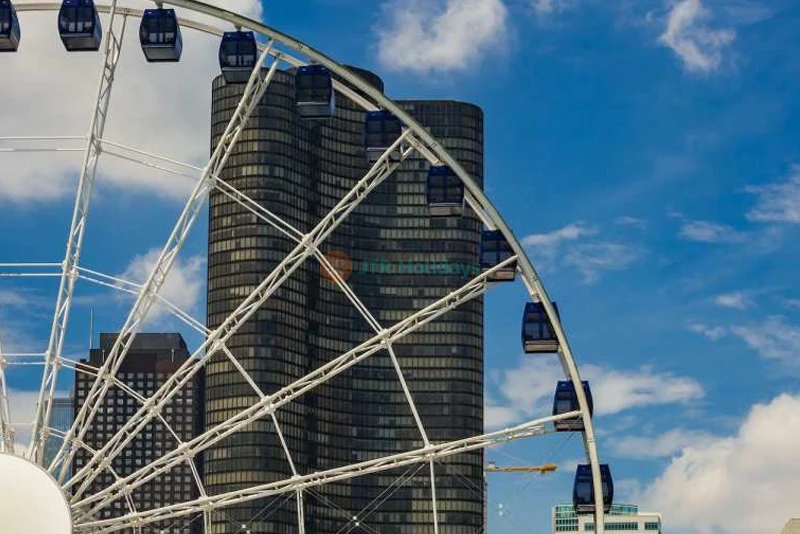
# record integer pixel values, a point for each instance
(625, 518)
(149, 363)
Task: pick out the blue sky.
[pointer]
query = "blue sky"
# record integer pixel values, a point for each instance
(645, 152)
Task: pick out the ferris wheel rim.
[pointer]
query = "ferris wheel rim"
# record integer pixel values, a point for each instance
(484, 208)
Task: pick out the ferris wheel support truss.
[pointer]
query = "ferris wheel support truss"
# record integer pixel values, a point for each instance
(269, 404)
(255, 89)
(77, 232)
(381, 170)
(423, 455)
(351, 86)
(6, 426)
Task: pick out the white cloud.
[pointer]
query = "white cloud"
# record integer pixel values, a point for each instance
(741, 484)
(714, 333)
(590, 259)
(23, 407)
(527, 390)
(773, 338)
(164, 109)
(450, 35)
(709, 232)
(618, 390)
(661, 446)
(546, 7)
(184, 285)
(779, 202)
(736, 300)
(552, 240)
(698, 46)
(627, 220)
(497, 416)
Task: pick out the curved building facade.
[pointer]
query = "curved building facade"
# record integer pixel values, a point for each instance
(300, 170)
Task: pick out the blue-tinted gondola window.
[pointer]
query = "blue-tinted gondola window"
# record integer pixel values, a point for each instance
(239, 52)
(314, 85)
(6, 18)
(583, 491)
(444, 187)
(159, 29)
(537, 324)
(564, 406)
(382, 129)
(77, 19)
(495, 249)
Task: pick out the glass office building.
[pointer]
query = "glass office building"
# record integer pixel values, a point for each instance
(151, 360)
(300, 170)
(61, 418)
(621, 518)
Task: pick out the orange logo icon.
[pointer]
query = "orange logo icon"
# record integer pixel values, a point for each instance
(339, 262)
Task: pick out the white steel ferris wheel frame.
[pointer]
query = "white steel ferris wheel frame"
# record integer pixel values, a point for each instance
(280, 48)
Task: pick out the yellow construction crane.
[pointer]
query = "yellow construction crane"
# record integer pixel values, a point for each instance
(541, 469)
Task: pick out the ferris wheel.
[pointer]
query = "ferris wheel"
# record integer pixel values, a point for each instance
(52, 496)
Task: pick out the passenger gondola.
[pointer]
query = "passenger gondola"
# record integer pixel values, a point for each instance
(238, 54)
(445, 192)
(79, 26)
(9, 27)
(538, 335)
(495, 249)
(160, 36)
(583, 490)
(566, 401)
(314, 95)
(382, 129)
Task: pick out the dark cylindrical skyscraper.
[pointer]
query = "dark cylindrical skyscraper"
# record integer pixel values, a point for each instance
(300, 170)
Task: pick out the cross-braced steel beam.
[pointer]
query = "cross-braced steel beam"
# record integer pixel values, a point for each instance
(381, 170)
(77, 231)
(147, 296)
(6, 426)
(378, 465)
(268, 405)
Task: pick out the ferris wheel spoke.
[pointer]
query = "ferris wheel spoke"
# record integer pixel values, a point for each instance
(381, 170)
(28, 144)
(6, 427)
(75, 238)
(378, 465)
(132, 288)
(270, 403)
(147, 295)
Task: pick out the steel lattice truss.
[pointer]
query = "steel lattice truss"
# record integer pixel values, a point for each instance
(280, 50)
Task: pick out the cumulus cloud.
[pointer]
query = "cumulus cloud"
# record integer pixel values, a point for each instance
(773, 338)
(714, 333)
(163, 109)
(184, 286)
(740, 484)
(778, 202)
(737, 300)
(439, 35)
(527, 390)
(546, 7)
(569, 245)
(550, 241)
(710, 232)
(698, 46)
(627, 220)
(664, 445)
(22, 404)
(593, 259)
